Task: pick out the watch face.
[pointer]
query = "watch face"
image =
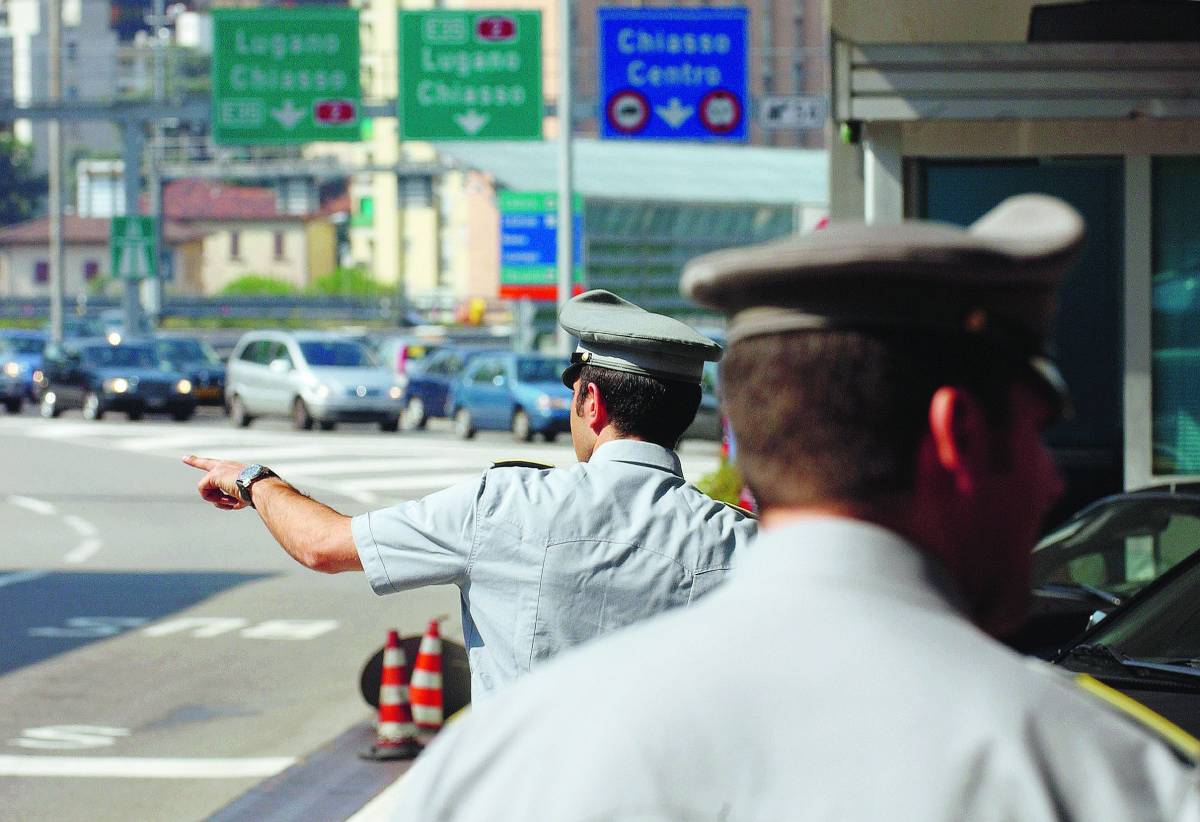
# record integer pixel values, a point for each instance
(249, 473)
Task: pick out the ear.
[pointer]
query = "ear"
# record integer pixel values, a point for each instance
(595, 411)
(960, 436)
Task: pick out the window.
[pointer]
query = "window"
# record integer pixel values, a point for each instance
(91, 269)
(279, 245)
(41, 272)
(1175, 301)
(235, 245)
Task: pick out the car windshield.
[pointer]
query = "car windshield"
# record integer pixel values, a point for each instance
(120, 356)
(1163, 626)
(1121, 544)
(25, 345)
(541, 369)
(337, 353)
(187, 351)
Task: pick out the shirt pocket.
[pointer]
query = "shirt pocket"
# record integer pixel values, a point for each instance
(590, 587)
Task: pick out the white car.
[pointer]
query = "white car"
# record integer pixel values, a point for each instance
(311, 377)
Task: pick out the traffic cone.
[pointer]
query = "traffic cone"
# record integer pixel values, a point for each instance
(396, 736)
(426, 686)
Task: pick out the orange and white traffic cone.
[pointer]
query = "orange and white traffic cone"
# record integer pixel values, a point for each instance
(426, 686)
(396, 736)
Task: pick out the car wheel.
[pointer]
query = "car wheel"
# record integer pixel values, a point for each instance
(183, 414)
(301, 419)
(13, 406)
(48, 407)
(550, 436)
(522, 430)
(134, 416)
(390, 425)
(414, 418)
(464, 426)
(327, 425)
(237, 413)
(93, 409)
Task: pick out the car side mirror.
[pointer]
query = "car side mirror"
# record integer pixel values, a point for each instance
(281, 365)
(1096, 618)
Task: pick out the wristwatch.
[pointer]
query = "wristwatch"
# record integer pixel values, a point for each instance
(250, 475)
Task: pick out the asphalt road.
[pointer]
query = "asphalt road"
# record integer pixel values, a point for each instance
(163, 660)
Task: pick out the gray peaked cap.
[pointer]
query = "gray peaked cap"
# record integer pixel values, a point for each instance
(996, 280)
(614, 333)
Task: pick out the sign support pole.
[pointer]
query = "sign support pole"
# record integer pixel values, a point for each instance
(130, 288)
(55, 199)
(566, 200)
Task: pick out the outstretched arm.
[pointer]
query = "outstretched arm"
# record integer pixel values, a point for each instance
(314, 534)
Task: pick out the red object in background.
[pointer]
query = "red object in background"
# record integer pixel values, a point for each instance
(495, 29)
(334, 112)
(549, 293)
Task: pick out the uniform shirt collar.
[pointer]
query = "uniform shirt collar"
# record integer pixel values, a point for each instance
(638, 453)
(841, 551)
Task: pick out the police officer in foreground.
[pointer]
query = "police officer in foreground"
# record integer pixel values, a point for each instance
(887, 387)
(545, 557)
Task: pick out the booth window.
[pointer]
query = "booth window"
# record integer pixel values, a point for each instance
(1175, 315)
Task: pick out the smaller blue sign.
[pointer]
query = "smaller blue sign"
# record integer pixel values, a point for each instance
(532, 239)
(673, 74)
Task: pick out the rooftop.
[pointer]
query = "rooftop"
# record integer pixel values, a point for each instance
(629, 170)
(83, 230)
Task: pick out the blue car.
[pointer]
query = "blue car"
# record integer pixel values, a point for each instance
(427, 389)
(21, 360)
(522, 393)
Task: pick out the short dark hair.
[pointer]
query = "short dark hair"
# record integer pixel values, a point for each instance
(838, 415)
(655, 410)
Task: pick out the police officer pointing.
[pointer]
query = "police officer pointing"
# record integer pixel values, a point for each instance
(887, 386)
(545, 558)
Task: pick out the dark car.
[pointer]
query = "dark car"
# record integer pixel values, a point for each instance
(522, 393)
(1103, 555)
(197, 360)
(96, 377)
(1149, 647)
(21, 360)
(427, 389)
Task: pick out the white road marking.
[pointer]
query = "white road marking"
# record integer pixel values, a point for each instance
(83, 552)
(21, 576)
(408, 482)
(129, 767)
(394, 465)
(69, 737)
(81, 526)
(37, 506)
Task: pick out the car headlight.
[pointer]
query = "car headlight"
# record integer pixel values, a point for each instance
(12, 369)
(117, 385)
(395, 392)
(320, 391)
(183, 387)
(114, 338)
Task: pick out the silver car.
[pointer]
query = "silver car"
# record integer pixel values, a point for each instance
(311, 377)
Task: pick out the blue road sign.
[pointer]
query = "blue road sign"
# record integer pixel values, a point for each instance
(529, 243)
(673, 74)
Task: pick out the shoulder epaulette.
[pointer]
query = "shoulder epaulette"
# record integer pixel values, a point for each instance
(739, 509)
(1183, 743)
(521, 464)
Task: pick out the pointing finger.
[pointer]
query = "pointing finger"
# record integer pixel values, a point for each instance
(203, 463)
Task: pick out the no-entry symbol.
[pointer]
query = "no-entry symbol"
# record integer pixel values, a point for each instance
(334, 112)
(720, 111)
(628, 111)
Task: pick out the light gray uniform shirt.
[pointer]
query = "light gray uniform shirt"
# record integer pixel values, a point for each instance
(833, 678)
(550, 558)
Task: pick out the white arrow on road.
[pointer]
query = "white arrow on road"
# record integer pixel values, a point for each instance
(288, 115)
(675, 113)
(471, 121)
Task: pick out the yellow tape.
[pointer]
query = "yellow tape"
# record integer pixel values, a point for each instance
(1171, 733)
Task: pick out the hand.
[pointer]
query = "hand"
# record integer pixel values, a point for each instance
(219, 484)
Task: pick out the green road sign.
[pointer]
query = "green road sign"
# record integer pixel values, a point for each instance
(470, 75)
(285, 75)
(133, 242)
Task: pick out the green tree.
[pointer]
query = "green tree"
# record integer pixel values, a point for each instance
(258, 285)
(21, 191)
(350, 282)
